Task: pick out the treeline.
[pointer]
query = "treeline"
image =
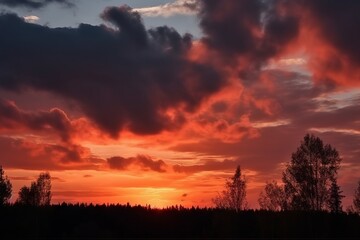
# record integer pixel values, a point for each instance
(309, 183)
(307, 204)
(69, 221)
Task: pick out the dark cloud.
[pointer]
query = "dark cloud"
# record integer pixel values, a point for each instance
(66, 153)
(34, 3)
(329, 37)
(256, 31)
(279, 30)
(129, 23)
(144, 162)
(124, 77)
(11, 117)
(337, 21)
(169, 38)
(227, 25)
(253, 29)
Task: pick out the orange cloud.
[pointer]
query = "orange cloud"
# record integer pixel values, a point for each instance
(144, 162)
(25, 154)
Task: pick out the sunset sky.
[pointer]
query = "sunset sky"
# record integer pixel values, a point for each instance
(157, 102)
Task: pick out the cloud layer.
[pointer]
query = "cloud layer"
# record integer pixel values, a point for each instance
(121, 77)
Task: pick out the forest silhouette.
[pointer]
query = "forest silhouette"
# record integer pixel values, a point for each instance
(307, 204)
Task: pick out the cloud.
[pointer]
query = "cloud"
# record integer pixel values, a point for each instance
(297, 110)
(179, 7)
(258, 32)
(29, 141)
(144, 162)
(11, 117)
(31, 19)
(292, 61)
(123, 77)
(23, 154)
(263, 154)
(207, 166)
(334, 48)
(34, 4)
(250, 29)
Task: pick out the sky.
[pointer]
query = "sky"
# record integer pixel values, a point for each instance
(157, 102)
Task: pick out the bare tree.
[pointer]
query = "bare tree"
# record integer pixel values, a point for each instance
(272, 198)
(38, 194)
(5, 188)
(308, 177)
(234, 194)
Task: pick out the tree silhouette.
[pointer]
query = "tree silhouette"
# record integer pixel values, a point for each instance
(44, 188)
(38, 194)
(310, 173)
(5, 188)
(273, 197)
(335, 198)
(234, 194)
(29, 195)
(356, 200)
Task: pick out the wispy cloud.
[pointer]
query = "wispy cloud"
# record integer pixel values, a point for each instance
(179, 7)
